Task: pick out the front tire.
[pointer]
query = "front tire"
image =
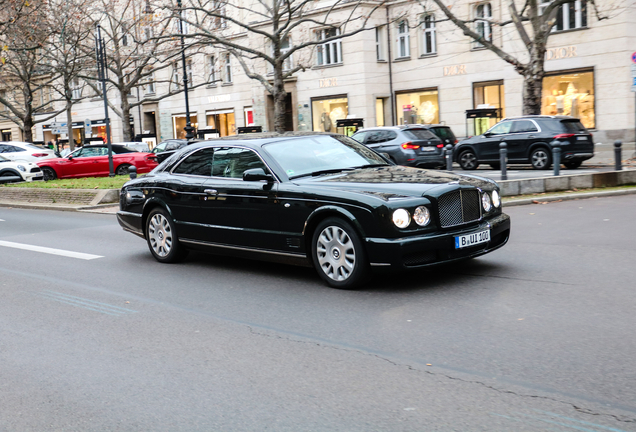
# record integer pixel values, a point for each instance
(541, 159)
(49, 173)
(468, 160)
(162, 237)
(338, 254)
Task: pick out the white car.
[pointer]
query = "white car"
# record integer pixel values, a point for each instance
(19, 171)
(22, 151)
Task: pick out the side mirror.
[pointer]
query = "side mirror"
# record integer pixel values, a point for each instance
(257, 174)
(487, 134)
(70, 157)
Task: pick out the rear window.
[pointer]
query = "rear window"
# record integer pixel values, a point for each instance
(573, 126)
(445, 133)
(420, 134)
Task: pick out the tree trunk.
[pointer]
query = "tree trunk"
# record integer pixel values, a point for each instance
(27, 131)
(279, 102)
(533, 78)
(69, 125)
(28, 114)
(127, 127)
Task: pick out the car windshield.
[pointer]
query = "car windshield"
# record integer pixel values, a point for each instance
(321, 154)
(420, 134)
(445, 133)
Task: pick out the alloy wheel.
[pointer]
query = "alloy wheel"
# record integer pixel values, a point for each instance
(336, 253)
(160, 235)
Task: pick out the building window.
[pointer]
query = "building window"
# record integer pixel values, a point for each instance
(328, 53)
(571, 15)
(175, 80)
(380, 43)
(211, 69)
(285, 46)
(148, 33)
(570, 93)
(218, 19)
(227, 69)
(379, 111)
(484, 28)
(326, 111)
(420, 106)
(488, 94)
(149, 84)
(403, 39)
(248, 113)
(428, 43)
(76, 89)
(189, 72)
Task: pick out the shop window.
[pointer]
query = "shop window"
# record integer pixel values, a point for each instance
(328, 53)
(379, 112)
(483, 26)
(570, 94)
(428, 33)
(380, 43)
(418, 107)
(223, 121)
(489, 94)
(325, 112)
(571, 15)
(403, 39)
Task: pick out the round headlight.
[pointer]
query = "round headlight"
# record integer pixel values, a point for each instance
(21, 168)
(422, 216)
(401, 218)
(495, 199)
(485, 202)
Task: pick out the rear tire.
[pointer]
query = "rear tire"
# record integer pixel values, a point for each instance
(162, 237)
(540, 158)
(122, 169)
(338, 254)
(468, 160)
(49, 173)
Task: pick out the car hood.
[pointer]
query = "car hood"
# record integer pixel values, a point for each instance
(396, 182)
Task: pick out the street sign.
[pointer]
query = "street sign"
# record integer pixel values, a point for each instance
(88, 130)
(634, 57)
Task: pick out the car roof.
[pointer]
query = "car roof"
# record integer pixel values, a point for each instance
(404, 127)
(537, 116)
(261, 138)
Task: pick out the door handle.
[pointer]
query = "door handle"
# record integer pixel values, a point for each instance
(210, 191)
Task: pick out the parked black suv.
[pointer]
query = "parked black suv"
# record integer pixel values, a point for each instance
(410, 145)
(528, 140)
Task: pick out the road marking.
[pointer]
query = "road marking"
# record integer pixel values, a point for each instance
(92, 305)
(50, 251)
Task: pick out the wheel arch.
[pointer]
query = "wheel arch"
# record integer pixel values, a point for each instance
(459, 150)
(10, 171)
(535, 145)
(149, 206)
(323, 213)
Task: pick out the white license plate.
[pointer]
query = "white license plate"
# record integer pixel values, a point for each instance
(428, 149)
(581, 138)
(472, 239)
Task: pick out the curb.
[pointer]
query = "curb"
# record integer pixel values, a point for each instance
(568, 197)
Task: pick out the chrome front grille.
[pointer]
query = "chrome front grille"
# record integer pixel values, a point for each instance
(459, 207)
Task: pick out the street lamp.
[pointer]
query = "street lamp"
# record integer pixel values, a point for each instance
(100, 49)
(188, 127)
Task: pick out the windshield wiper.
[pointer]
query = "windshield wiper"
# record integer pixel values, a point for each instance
(322, 172)
(371, 166)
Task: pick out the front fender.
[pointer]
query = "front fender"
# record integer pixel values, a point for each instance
(332, 210)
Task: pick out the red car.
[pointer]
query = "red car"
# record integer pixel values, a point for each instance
(92, 161)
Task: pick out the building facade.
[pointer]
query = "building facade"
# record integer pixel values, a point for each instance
(410, 66)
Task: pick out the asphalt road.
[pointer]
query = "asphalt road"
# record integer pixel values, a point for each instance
(536, 336)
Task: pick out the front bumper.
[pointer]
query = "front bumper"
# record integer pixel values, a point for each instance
(435, 248)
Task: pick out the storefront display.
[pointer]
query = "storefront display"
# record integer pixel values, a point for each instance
(418, 107)
(325, 112)
(222, 120)
(570, 94)
(488, 95)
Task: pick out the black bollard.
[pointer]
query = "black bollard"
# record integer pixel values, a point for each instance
(556, 156)
(449, 157)
(617, 155)
(132, 171)
(503, 159)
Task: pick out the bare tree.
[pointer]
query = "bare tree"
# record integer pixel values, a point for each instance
(265, 35)
(138, 47)
(534, 23)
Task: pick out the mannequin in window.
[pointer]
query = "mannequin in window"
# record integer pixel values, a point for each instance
(560, 102)
(326, 121)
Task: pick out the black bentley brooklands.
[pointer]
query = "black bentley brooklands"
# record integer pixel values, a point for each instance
(313, 198)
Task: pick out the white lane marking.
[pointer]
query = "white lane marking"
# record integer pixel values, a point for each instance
(50, 251)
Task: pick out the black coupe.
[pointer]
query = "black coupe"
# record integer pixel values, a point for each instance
(312, 198)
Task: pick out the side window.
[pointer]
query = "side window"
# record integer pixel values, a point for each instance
(523, 126)
(198, 163)
(90, 152)
(374, 137)
(389, 135)
(15, 149)
(501, 128)
(3, 148)
(360, 136)
(233, 162)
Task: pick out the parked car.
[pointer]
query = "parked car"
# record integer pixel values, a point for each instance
(11, 171)
(137, 146)
(408, 145)
(165, 148)
(23, 151)
(92, 161)
(528, 140)
(311, 198)
(445, 133)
